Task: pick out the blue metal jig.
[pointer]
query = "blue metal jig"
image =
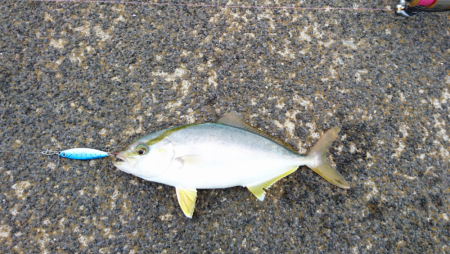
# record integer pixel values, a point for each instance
(83, 154)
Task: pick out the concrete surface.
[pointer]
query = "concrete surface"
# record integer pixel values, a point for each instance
(101, 75)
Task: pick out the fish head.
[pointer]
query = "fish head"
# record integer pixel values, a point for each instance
(145, 159)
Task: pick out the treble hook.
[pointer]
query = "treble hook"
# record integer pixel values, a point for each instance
(50, 152)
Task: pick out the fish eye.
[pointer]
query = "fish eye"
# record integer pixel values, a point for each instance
(141, 149)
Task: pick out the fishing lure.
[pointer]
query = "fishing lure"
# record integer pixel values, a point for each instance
(83, 154)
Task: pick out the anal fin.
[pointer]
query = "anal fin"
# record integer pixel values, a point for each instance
(258, 189)
(186, 199)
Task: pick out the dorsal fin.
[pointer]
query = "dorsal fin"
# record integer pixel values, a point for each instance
(232, 119)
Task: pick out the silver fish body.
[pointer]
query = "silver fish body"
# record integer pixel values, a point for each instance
(220, 155)
(211, 156)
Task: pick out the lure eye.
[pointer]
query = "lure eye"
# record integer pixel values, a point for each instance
(141, 149)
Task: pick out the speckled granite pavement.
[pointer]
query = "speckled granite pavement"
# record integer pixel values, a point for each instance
(101, 75)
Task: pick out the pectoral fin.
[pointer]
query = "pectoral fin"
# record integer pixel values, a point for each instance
(186, 199)
(258, 189)
(190, 160)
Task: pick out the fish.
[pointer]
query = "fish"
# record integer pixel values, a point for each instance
(224, 154)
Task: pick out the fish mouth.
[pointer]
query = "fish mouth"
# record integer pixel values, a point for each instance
(119, 159)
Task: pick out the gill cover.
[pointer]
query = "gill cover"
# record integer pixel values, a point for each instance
(156, 161)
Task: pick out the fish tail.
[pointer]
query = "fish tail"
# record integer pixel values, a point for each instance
(318, 159)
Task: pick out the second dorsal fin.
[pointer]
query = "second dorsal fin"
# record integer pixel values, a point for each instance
(232, 119)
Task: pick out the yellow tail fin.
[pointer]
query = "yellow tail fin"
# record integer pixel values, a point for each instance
(319, 163)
